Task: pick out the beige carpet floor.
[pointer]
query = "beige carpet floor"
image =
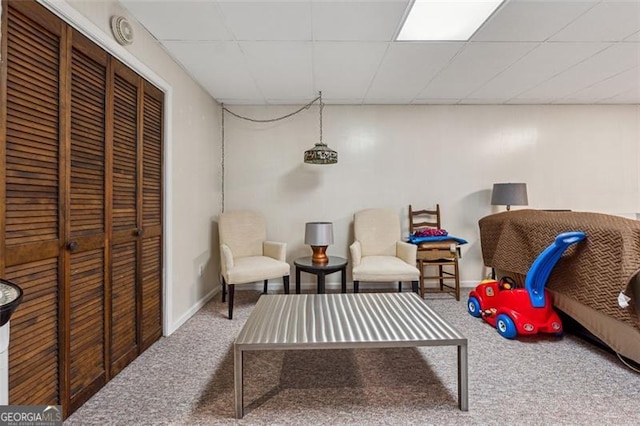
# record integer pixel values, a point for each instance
(187, 378)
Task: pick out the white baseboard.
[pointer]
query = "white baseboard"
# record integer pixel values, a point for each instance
(309, 286)
(273, 287)
(191, 312)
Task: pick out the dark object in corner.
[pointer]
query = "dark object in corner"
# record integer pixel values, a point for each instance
(573, 327)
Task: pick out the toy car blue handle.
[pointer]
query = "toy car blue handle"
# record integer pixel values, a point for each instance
(569, 238)
(541, 268)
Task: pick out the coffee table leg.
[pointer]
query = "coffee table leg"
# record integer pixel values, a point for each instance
(321, 283)
(237, 372)
(463, 378)
(344, 279)
(297, 280)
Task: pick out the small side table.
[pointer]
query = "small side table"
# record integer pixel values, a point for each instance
(335, 264)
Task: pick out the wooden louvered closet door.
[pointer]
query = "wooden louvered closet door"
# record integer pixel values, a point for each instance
(85, 230)
(30, 222)
(80, 209)
(151, 243)
(125, 239)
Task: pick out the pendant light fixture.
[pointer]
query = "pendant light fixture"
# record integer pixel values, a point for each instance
(320, 153)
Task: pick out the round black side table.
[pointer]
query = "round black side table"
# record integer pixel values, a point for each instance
(335, 264)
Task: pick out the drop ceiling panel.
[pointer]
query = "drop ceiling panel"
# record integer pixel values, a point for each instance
(220, 67)
(282, 70)
(435, 101)
(618, 84)
(629, 97)
(272, 52)
(184, 20)
(345, 69)
(268, 20)
(607, 21)
(542, 63)
(473, 67)
(407, 67)
(609, 62)
(531, 20)
(357, 21)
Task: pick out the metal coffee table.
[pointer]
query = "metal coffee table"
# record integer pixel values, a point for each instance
(345, 321)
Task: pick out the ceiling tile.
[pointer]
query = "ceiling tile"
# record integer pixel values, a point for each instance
(408, 66)
(542, 63)
(530, 20)
(332, 59)
(473, 67)
(269, 21)
(609, 62)
(282, 70)
(607, 21)
(358, 20)
(220, 68)
(185, 20)
(629, 97)
(435, 101)
(618, 84)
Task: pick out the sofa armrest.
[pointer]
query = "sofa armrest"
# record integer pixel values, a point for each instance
(275, 250)
(356, 253)
(406, 252)
(226, 258)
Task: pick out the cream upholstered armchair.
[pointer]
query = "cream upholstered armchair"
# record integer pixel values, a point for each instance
(378, 254)
(246, 256)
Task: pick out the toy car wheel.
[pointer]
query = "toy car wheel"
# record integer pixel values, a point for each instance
(473, 306)
(506, 327)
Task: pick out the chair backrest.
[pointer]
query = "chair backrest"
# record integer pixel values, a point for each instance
(424, 219)
(243, 231)
(378, 230)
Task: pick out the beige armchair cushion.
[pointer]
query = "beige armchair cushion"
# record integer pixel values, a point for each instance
(378, 254)
(256, 268)
(385, 269)
(246, 256)
(377, 230)
(243, 232)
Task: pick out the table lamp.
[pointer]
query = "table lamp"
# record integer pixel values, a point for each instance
(319, 235)
(509, 194)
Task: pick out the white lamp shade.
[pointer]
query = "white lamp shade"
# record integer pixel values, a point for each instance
(318, 233)
(509, 194)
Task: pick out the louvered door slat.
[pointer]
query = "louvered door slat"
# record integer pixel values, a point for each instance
(35, 322)
(151, 290)
(124, 344)
(87, 140)
(23, 126)
(87, 335)
(124, 155)
(152, 167)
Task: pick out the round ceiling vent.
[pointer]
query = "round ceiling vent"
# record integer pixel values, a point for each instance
(122, 30)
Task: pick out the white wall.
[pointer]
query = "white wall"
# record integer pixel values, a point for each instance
(571, 157)
(192, 167)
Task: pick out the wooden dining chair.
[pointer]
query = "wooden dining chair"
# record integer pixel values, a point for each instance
(439, 255)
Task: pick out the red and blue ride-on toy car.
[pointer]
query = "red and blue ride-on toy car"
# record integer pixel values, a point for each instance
(527, 310)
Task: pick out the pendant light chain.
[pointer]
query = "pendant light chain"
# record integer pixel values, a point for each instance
(222, 165)
(321, 107)
(271, 120)
(255, 120)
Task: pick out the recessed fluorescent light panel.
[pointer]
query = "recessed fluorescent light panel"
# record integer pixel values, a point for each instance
(451, 20)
